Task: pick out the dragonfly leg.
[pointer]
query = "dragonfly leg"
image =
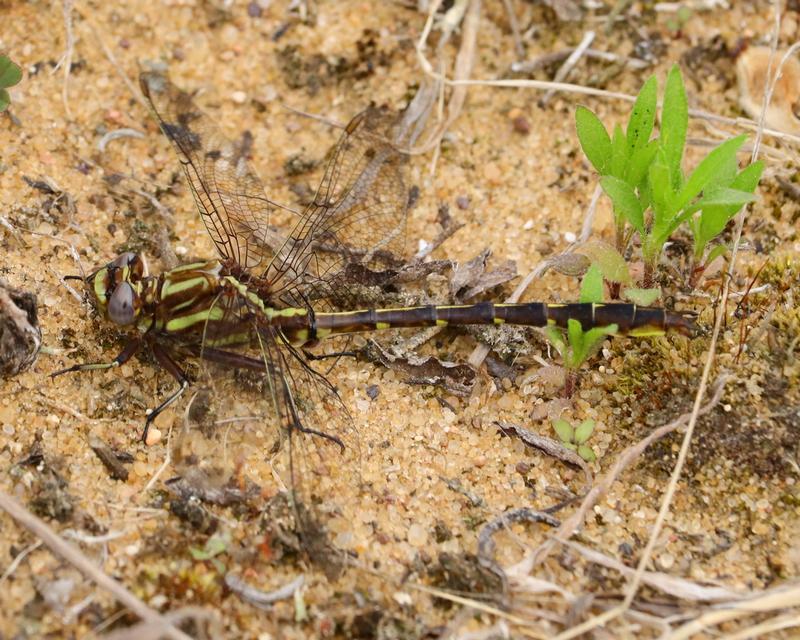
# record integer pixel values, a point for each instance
(239, 361)
(131, 347)
(231, 359)
(327, 356)
(298, 425)
(165, 360)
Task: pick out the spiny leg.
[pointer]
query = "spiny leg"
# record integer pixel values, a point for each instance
(239, 361)
(232, 359)
(131, 347)
(327, 356)
(165, 360)
(297, 423)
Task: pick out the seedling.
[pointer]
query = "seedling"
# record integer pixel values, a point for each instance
(645, 181)
(676, 23)
(215, 546)
(10, 74)
(579, 345)
(575, 437)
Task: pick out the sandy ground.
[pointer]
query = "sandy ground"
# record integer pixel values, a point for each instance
(433, 468)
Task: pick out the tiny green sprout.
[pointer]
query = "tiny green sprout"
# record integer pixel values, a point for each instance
(650, 194)
(579, 345)
(575, 438)
(215, 545)
(10, 74)
(679, 20)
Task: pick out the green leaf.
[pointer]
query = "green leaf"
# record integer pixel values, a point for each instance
(585, 452)
(716, 252)
(598, 334)
(674, 124)
(300, 608)
(619, 154)
(642, 297)
(707, 170)
(575, 337)
(661, 190)
(594, 139)
(10, 73)
(214, 546)
(588, 342)
(563, 430)
(5, 100)
(555, 338)
(725, 176)
(639, 162)
(611, 264)
(592, 285)
(713, 219)
(584, 431)
(643, 116)
(626, 204)
(726, 197)
(749, 177)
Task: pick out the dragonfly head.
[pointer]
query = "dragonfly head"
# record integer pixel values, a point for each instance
(116, 288)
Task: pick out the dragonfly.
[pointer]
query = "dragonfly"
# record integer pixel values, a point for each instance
(269, 294)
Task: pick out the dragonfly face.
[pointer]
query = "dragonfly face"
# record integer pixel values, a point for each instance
(117, 288)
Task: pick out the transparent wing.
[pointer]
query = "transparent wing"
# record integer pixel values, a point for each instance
(358, 215)
(228, 193)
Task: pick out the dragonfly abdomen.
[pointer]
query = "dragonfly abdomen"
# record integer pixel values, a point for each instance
(629, 318)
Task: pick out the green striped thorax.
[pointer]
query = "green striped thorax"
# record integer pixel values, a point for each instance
(119, 289)
(189, 299)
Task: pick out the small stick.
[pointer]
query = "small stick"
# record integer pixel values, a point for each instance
(557, 56)
(259, 598)
(568, 65)
(66, 59)
(515, 33)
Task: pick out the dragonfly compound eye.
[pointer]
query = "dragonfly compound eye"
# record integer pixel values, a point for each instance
(122, 305)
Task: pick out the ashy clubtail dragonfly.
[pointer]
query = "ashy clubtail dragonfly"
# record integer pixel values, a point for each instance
(266, 295)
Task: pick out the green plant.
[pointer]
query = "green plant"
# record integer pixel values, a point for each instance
(575, 437)
(679, 20)
(650, 194)
(579, 345)
(215, 546)
(10, 74)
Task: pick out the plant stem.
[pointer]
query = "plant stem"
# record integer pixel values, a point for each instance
(649, 275)
(570, 383)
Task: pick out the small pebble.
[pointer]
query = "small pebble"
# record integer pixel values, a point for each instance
(153, 436)
(462, 202)
(492, 173)
(666, 560)
(521, 125)
(239, 97)
(416, 535)
(570, 237)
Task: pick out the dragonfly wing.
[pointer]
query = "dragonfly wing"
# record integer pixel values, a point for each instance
(228, 193)
(358, 214)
